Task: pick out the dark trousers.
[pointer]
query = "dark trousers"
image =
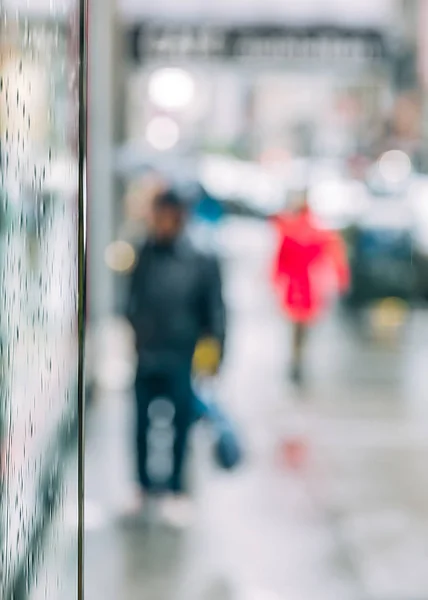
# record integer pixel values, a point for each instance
(299, 335)
(167, 441)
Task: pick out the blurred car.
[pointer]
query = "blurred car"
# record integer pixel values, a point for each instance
(417, 199)
(385, 254)
(381, 256)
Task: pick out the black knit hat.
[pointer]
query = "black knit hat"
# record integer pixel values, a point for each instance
(170, 199)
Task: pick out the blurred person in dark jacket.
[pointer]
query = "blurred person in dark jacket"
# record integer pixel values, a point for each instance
(175, 301)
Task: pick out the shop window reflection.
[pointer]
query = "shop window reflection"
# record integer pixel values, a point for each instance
(38, 314)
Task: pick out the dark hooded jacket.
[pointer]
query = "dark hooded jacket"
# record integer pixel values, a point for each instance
(175, 300)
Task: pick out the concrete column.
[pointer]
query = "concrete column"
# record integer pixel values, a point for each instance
(409, 19)
(101, 133)
(422, 46)
(120, 81)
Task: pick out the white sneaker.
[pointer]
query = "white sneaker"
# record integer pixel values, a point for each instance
(133, 506)
(178, 511)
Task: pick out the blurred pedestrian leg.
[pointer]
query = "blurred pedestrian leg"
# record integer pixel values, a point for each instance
(164, 407)
(299, 333)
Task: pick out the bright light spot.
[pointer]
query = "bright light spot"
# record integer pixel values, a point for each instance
(61, 175)
(171, 89)
(246, 181)
(162, 133)
(395, 166)
(330, 198)
(120, 256)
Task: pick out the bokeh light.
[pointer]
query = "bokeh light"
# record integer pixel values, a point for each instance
(120, 256)
(395, 166)
(162, 133)
(171, 89)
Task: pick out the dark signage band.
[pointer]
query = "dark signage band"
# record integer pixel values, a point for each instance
(155, 41)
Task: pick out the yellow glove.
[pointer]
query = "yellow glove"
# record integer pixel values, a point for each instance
(206, 359)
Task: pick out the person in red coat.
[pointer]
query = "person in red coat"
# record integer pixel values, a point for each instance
(310, 268)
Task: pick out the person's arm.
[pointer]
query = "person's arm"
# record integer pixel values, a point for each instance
(214, 306)
(131, 305)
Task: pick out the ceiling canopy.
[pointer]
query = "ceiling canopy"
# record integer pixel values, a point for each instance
(365, 13)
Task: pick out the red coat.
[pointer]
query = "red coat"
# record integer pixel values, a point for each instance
(310, 266)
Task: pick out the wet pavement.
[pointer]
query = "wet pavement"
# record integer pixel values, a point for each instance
(349, 523)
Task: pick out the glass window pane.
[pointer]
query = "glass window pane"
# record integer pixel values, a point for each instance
(39, 184)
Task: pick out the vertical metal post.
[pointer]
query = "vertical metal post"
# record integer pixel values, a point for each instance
(82, 288)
